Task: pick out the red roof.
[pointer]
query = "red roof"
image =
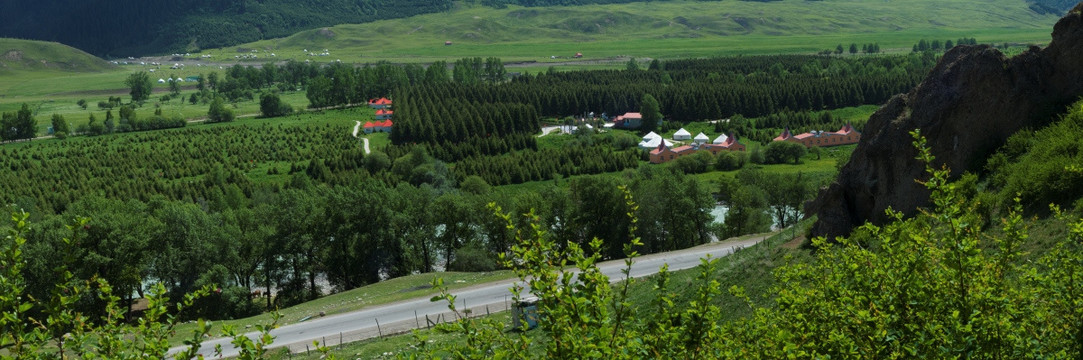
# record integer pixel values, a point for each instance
(369, 124)
(380, 101)
(384, 112)
(630, 115)
(784, 135)
(729, 141)
(661, 148)
(387, 123)
(681, 149)
(846, 129)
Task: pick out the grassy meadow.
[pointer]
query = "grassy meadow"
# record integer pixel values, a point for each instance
(658, 30)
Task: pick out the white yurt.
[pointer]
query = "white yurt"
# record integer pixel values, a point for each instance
(701, 139)
(682, 134)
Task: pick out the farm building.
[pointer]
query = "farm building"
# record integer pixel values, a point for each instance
(845, 136)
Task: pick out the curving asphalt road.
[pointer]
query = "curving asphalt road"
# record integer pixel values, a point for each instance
(485, 298)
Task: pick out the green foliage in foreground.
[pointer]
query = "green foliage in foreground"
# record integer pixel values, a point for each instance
(62, 332)
(934, 286)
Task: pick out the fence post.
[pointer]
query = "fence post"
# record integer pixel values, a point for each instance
(378, 328)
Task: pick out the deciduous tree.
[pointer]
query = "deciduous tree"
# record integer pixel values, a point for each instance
(140, 86)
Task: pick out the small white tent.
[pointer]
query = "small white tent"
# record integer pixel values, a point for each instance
(682, 134)
(161, 81)
(653, 143)
(701, 139)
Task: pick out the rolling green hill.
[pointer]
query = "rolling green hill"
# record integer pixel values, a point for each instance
(18, 54)
(664, 29)
(134, 27)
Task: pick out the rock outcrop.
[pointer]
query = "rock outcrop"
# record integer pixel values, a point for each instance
(966, 107)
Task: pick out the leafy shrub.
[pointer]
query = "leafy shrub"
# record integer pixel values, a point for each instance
(218, 112)
(933, 286)
(730, 160)
(781, 152)
(474, 258)
(1044, 166)
(699, 162)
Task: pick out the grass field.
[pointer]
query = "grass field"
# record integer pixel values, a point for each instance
(661, 30)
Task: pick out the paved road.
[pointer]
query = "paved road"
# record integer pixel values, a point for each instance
(481, 299)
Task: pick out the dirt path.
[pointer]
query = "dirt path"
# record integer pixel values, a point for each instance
(356, 129)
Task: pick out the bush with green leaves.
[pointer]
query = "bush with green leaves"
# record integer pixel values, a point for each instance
(61, 331)
(932, 286)
(218, 112)
(1043, 166)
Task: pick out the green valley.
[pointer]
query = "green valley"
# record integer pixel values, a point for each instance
(878, 179)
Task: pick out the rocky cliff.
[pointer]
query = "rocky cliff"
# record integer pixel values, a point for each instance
(967, 107)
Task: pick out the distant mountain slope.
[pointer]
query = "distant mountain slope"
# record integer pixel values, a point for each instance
(35, 55)
(139, 27)
(115, 28)
(663, 29)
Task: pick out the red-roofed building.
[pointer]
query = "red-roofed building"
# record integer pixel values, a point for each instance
(665, 154)
(381, 103)
(369, 127)
(384, 114)
(384, 126)
(845, 136)
(630, 120)
(731, 144)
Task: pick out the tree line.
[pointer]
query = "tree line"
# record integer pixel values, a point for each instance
(286, 241)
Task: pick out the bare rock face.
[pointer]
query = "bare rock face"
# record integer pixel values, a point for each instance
(966, 107)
